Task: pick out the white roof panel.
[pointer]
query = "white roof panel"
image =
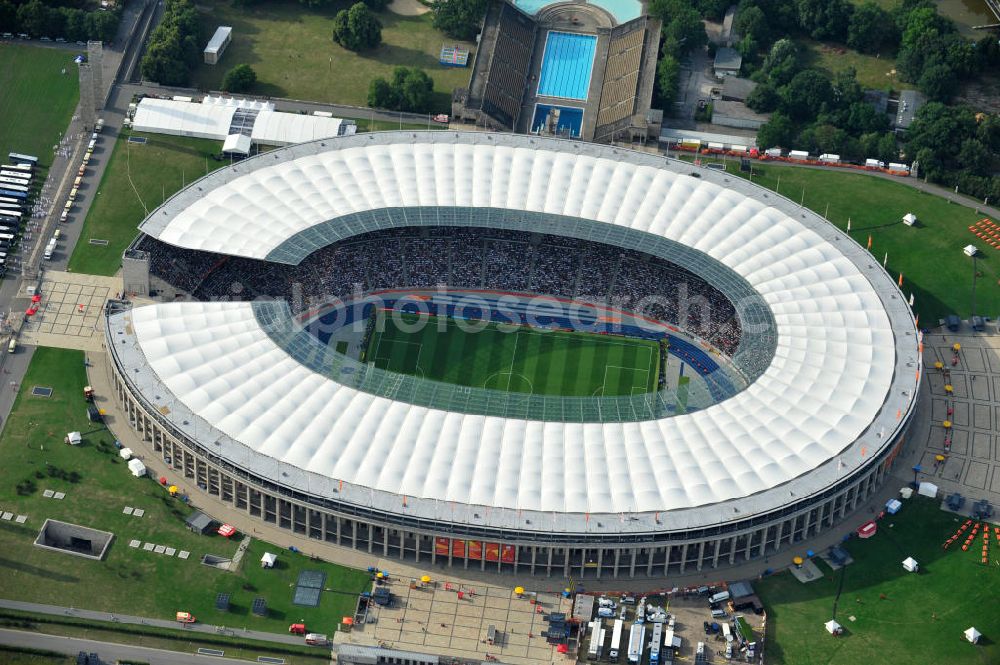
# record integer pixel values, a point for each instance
(166, 116)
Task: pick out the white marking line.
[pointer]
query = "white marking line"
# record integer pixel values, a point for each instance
(416, 367)
(510, 370)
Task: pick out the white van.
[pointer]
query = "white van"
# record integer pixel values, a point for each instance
(11, 345)
(719, 597)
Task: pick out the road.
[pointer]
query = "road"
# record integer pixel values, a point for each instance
(109, 652)
(108, 617)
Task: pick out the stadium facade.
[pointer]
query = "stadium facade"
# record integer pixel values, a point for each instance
(238, 398)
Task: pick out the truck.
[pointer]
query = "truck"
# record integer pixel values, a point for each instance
(773, 152)
(616, 640)
(99, 126)
(636, 642)
(50, 248)
(185, 617)
(829, 158)
(874, 163)
(798, 154)
(316, 639)
(894, 166)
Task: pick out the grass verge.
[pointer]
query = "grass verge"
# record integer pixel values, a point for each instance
(38, 92)
(889, 616)
(139, 177)
(98, 486)
(292, 50)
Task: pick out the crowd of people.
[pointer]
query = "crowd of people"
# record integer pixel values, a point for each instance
(462, 257)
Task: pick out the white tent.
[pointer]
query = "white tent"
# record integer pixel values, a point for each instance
(137, 468)
(125, 453)
(973, 635)
(906, 492)
(909, 219)
(928, 489)
(74, 438)
(237, 144)
(833, 627)
(268, 560)
(970, 250)
(910, 564)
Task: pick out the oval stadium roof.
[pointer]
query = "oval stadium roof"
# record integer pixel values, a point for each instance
(840, 384)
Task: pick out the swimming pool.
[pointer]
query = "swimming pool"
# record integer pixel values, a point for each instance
(622, 10)
(570, 118)
(567, 65)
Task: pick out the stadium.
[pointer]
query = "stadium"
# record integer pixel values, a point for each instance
(513, 353)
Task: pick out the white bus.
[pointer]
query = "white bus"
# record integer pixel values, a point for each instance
(6, 239)
(7, 199)
(4, 205)
(657, 642)
(22, 182)
(12, 187)
(635, 642)
(23, 168)
(7, 212)
(21, 158)
(616, 640)
(50, 248)
(20, 175)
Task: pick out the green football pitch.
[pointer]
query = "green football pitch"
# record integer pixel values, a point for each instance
(523, 360)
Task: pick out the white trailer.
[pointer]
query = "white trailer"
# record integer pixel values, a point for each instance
(636, 640)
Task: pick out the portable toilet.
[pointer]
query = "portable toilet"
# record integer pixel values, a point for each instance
(910, 564)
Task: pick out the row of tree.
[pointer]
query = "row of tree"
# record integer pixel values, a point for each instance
(683, 31)
(73, 24)
(930, 52)
(957, 147)
(174, 48)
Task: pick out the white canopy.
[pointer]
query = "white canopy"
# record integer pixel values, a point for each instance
(74, 438)
(970, 250)
(125, 453)
(137, 468)
(832, 627)
(909, 219)
(910, 564)
(237, 143)
(972, 635)
(268, 560)
(927, 489)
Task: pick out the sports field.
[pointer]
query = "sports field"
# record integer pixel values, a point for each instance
(523, 360)
(36, 98)
(889, 616)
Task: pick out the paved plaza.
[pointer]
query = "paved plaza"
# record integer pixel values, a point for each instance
(69, 314)
(433, 619)
(972, 467)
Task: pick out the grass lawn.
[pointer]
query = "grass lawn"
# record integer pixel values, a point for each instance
(523, 360)
(929, 255)
(292, 50)
(14, 656)
(138, 178)
(36, 98)
(921, 618)
(873, 72)
(32, 439)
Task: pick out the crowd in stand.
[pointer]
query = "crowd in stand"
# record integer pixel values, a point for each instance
(473, 258)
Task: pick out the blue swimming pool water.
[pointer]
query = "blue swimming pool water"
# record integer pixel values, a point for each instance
(566, 65)
(622, 10)
(569, 118)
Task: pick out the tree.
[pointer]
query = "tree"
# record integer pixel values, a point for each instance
(825, 19)
(381, 94)
(938, 82)
(887, 150)
(416, 89)
(871, 29)
(806, 95)
(173, 49)
(782, 63)
(751, 22)
(764, 98)
(668, 72)
(357, 29)
(33, 18)
(460, 19)
(686, 27)
(975, 157)
(239, 79)
(103, 26)
(8, 17)
(410, 89)
(776, 132)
